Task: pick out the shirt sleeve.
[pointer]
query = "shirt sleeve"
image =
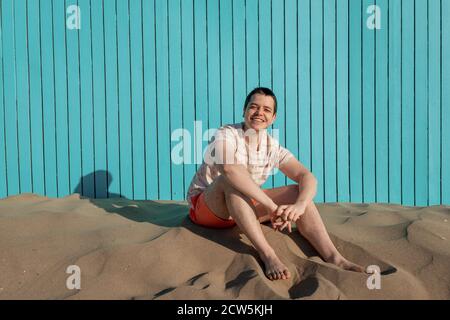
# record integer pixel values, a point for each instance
(223, 147)
(283, 156)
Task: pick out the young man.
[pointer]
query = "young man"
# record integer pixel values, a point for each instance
(226, 188)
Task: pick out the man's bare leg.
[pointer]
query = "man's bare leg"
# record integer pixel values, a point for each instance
(224, 200)
(310, 226)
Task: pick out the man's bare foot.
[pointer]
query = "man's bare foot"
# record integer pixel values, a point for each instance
(275, 269)
(343, 263)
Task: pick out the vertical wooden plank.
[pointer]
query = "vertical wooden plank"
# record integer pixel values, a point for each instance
(279, 85)
(176, 109)
(87, 130)
(9, 98)
(23, 99)
(292, 134)
(126, 156)
(329, 100)
(73, 90)
(407, 125)
(317, 96)
(34, 60)
(98, 67)
(137, 103)
(201, 78)
(151, 132)
(265, 57)
(368, 125)
(188, 98)
(112, 100)
(434, 106)
(61, 116)
(395, 101)
(356, 24)
(162, 72)
(342, 101)
(226, 61)
(252, 43)
(421, 103)
(304, 83)
(445, 105)
(239, 67)
(3, 178)
(48, 98)
(381, 106)
(213, 66)
(264, 40)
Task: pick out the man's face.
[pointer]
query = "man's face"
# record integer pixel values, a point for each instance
(259, 113)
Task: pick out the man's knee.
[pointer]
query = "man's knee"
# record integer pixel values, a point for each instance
(225, 184)
(231, 191)
(293, 188)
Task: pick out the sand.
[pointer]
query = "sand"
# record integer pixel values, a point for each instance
(129, 249)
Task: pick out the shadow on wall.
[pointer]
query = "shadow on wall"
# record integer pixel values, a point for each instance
(87, 185)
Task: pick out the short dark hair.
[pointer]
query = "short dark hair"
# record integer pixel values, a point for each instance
(264, 91)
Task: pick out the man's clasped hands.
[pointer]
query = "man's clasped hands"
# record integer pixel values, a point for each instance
(285, 214)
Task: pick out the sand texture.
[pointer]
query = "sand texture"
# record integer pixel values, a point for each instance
(129, 249)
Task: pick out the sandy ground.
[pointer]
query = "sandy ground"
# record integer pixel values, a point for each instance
(129, 249)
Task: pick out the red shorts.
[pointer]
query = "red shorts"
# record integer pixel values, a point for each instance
(204, 216)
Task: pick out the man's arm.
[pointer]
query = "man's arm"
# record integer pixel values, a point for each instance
(307, 186)
(307, 183)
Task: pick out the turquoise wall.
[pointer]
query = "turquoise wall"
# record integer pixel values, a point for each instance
(91, 110)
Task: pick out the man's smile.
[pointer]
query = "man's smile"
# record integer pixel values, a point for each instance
(257, 119)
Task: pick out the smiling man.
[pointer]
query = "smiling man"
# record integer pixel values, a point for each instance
(226, 190)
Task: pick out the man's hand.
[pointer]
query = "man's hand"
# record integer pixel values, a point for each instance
(285, 214)
(278, 224)
(291, 212)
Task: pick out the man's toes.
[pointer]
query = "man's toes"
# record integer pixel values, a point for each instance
(271, 275)
(350, 266)
(358, 268)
